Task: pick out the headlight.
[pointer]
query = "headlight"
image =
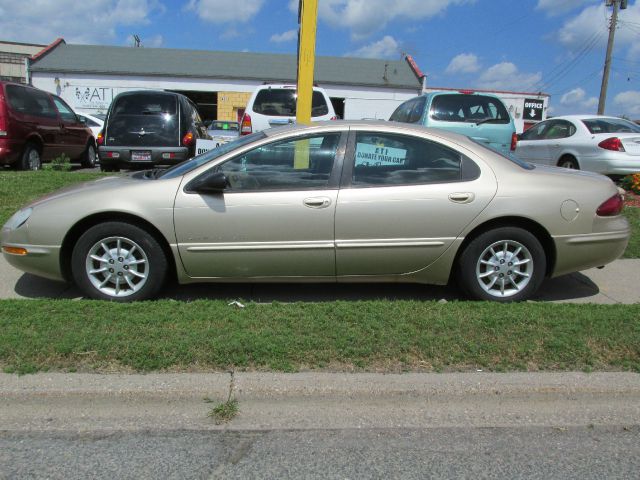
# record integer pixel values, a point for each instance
(18, 219)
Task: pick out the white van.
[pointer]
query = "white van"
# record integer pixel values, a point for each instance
(274, 105)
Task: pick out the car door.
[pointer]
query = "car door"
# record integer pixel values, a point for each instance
(557, 138)
(532, 145)
(73, 133)
(275, 219)
(404, 200)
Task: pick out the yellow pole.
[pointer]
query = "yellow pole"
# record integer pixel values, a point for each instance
(306, 59)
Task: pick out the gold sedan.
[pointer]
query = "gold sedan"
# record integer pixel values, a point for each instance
(331, 202)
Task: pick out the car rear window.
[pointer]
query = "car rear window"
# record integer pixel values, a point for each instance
(468, 108)
(281, 102)
(610, 125)
(144, 120)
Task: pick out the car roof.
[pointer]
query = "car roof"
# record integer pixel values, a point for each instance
(585, 117)
(393, 127)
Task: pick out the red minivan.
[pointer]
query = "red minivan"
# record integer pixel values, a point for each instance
(36, 127)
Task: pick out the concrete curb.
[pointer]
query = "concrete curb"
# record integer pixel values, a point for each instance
(56, 401)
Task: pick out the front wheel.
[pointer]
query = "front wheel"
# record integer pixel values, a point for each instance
(118, 261)
(506, 264)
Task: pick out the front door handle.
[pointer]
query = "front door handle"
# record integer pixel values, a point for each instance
(462, 197)
(317, 202)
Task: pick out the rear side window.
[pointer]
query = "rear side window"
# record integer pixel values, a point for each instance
(390, 159)
(610, 125)
(30, 101)
(468, 108)
(281, 102)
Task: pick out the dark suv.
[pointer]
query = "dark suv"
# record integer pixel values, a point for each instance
(37, 127)
(147, 127)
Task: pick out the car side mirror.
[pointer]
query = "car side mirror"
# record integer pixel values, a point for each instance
(209, 182)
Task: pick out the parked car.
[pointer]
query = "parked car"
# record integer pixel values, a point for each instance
(482, 117)
(335, 201)
(36, 127)
(149, 127)
(274, 105)
(95, 123)
(607, 145)
(222, 131)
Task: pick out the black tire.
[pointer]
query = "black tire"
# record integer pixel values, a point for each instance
(31, 158)
(89, 156)
(122, 274)
(488, 271)
(569, 162)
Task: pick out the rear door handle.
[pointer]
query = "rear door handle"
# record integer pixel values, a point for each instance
(462, 197)
(317, 202)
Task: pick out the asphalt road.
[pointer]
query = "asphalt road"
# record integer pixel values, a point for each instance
(511, 453)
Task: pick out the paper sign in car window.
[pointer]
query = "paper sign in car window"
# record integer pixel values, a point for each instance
(378, 155)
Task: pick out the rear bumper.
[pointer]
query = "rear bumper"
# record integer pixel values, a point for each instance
(581, 252)
(9, 151)
(122, 156)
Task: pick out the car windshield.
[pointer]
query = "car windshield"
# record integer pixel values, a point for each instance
(610, 125)
(217, 152)
(508, 155)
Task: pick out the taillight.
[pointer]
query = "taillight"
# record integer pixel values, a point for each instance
(187, 140)
(245, 127)
(100, 139)
(611, 207)
(3, 121)
(333, 118)
(613, 143)
(466, 92)
(514, 141)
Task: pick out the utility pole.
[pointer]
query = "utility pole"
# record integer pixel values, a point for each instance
(308, 19)
(622, 4)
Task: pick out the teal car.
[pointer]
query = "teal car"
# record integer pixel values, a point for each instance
(480, 116)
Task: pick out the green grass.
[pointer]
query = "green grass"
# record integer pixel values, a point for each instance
(633, 215)
(344, 336)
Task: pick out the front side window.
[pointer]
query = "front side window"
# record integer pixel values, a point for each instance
(300, 164)
(536, 132)
(390, 159)
(65, 111)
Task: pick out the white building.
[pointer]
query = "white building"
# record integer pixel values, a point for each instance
(88, 77)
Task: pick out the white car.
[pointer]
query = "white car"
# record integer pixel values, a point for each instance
(274, 105)
(606, 145)
(94, 122)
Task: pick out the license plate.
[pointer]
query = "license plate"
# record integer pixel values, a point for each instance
(143, 156)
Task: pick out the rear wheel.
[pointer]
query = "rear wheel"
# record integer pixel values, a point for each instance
(31, 159)
(89, 156)
(118, 261)
(505, 264)
(569, 162)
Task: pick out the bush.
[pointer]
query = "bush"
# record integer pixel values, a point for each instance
(61, 163)
(631, 183)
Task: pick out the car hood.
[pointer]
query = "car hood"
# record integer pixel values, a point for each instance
(91, 187)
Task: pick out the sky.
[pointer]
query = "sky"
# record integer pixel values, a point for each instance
(551, 46)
